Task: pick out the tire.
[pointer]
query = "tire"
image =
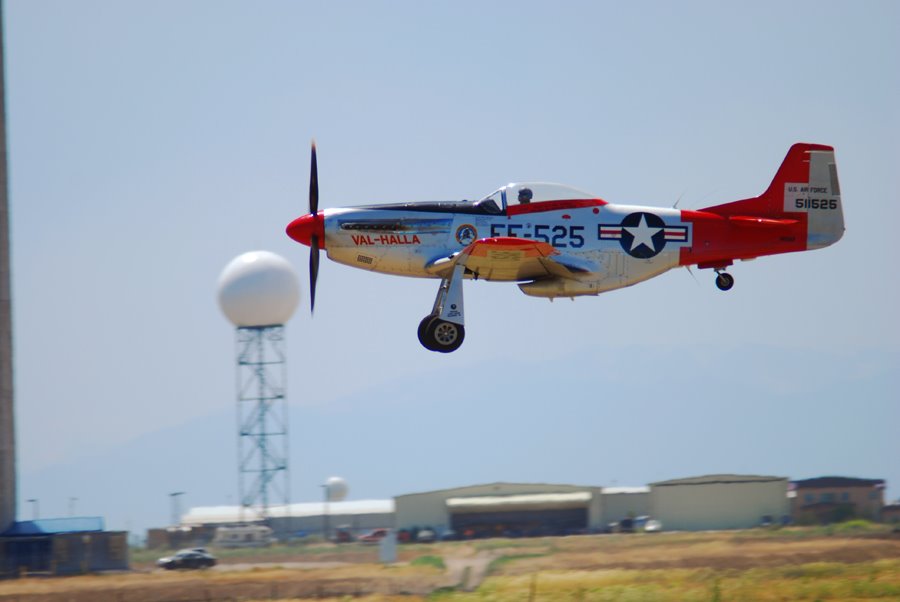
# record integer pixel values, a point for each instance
(724, 281)
(443, 336)
(423, 332)
(423, 329)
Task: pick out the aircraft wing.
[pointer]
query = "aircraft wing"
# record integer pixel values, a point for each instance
(515, 259)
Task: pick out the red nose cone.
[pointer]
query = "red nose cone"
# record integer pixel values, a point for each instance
(304, 227)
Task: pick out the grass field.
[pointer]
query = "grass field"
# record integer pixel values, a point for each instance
(845, 562)
(874, 580)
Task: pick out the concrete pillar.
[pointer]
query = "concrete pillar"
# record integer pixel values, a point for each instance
(7, 419)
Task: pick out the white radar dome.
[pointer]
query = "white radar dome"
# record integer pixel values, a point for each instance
(335, 489)
(258, 288)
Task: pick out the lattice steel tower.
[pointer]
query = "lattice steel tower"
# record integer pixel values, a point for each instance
(263, 476)
(258, 292)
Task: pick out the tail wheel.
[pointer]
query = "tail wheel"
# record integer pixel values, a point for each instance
(724, 281)
(441, 336)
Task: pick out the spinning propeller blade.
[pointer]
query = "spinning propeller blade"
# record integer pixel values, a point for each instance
(313, 182)
(314, 242)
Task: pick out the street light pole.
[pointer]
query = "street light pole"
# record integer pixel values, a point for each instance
(35, 509)
(72, 501)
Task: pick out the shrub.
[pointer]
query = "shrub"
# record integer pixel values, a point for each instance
(435, 561)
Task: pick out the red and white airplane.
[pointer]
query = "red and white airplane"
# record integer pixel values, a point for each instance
(557, 241)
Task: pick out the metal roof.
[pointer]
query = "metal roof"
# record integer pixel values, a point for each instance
(829, 482)
(204, 515)
(50, 526)
(714, 479)
(498, 484)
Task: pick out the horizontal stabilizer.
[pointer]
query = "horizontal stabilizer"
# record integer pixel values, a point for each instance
(760, 222)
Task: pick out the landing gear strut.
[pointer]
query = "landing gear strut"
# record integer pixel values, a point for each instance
(724, 280)
(443, 329)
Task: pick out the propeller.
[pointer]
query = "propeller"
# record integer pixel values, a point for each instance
(314, 240)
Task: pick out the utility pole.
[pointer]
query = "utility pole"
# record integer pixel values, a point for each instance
(7, 423)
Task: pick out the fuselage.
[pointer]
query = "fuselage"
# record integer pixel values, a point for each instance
(627, 243)
(593, 231)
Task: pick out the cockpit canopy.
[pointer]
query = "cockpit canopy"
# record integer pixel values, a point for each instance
(520, 193)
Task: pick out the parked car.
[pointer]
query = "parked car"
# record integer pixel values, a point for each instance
(652, 526)
(373, 536)
(426, 536)
(187, 559)
(342, 534)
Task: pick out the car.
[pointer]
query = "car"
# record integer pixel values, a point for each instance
(342, 534)
(373, 536)
(187, 559)
(426, 535)
(652, 526)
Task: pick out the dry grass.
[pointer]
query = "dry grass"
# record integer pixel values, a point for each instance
(726, 566)
(267, 584)
(705, 550)
(879, 580)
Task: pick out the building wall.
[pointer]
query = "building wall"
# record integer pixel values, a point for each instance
(64, 553)
(357, 524)
(720, 505)
(76, 553)
(891, 513)
(429, 509)
(617, 506)
(175, 538)
(866, 501)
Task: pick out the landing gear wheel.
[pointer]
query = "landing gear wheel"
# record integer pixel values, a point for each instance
(423, 329)
(441, 336)
(724, 281)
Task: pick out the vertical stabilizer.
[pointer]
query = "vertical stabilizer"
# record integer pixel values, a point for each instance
(806, 188)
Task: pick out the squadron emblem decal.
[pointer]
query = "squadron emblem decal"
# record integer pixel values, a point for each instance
(643, 235)
(466, 234)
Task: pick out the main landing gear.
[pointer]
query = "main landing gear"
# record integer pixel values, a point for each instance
(724, 280)
(443, 329)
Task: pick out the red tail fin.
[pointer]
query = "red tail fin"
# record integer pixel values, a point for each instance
(806, 183)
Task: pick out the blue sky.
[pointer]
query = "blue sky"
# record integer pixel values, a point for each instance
(151, 142)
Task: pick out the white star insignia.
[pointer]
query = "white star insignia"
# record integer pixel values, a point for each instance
(643, 234)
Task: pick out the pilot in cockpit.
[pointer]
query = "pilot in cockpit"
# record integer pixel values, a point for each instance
(525, 195)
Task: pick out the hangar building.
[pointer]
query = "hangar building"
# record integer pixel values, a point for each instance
(625, 502)
(356, 516)
(723, 501)
(503, 508)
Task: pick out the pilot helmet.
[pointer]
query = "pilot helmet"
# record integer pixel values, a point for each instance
(525, 195)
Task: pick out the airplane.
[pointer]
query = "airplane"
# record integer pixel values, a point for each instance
(558, 241)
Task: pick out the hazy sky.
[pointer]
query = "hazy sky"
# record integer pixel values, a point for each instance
(151, 142)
